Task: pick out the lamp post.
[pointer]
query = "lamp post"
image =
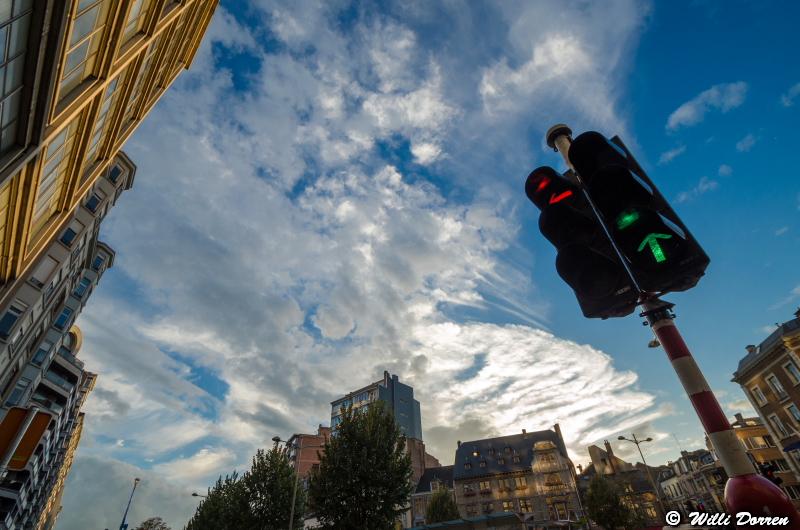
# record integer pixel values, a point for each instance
(124, 525)
(195, 494)
(649, 475)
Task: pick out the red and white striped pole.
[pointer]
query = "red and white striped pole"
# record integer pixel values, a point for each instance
(746, 490)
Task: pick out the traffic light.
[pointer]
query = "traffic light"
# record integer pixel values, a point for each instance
(585, 260)
(660, 251)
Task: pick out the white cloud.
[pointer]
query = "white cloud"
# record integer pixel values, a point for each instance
(722, 97)
(787, 99)
(668, 156)
(746, 143)
(782, 230)
(270, 258)
(725, 170)
(703, 186)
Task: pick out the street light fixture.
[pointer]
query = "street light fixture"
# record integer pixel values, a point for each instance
(195, 494)
(278, 440)
(124, 525)
(649, 475)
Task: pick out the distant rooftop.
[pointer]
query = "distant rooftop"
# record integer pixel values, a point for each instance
(498, 454)
(444, 474)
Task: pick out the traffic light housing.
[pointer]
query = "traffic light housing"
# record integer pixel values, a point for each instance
(659, 250)
(586, 260)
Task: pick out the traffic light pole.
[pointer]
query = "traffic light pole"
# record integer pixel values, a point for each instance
(746, 490)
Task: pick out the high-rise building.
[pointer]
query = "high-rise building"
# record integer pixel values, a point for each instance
(47, 375)
(770, 378)
(529, 474)
(76, 79)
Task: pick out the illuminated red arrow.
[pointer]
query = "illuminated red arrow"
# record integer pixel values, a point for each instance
(560, 197)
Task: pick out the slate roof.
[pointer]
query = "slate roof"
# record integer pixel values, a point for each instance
(774, 339)
(492, 450)
(443, 474)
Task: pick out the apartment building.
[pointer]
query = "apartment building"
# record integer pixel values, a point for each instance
(38, 328)
(529, 474)
(770, 378)
(695, 479)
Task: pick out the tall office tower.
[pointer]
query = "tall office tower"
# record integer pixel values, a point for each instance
(76, 79)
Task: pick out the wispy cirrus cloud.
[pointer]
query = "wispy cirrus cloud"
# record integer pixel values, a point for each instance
(723, 97)
(668, 156)
(746, 143)
(704, 185)
(281, 237)
(787, 99)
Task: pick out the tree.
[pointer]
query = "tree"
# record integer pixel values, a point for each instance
(154, 523)
(224, 508)
(269, 486)
(605, 506)
(260, 499)
(441, 507)
(364, 475)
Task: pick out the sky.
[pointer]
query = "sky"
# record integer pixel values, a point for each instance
(335, 189)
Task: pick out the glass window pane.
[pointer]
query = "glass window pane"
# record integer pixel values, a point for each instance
(76, 57)
(9, 137)
(11, 108)
(84, 4)
(20, 6)
(71, 82)
(19, 35)
(14, 72)
(84, 24)
(3, 33)
(5, 10)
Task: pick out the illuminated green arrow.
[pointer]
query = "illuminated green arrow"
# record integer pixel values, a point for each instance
(655, 247)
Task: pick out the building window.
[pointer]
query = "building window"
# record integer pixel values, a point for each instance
(98, 133)
(10, 318)
(780, 428)
(114, 173)
(93, 202)
(485, 485)
(68, 236)
(467, 488)
(515, 459)
(776, 386)
(81, 288)
(471, 510)
(793, 492)
(14, 25)
(792, 371)
(525, 506)
(83, 48)
(467, 465)
(521, 482)
(42, 352)
(43, 272)
(488, 507)
(508, 506)
(755, 442)
(136, 18)
(53, 177)
(794, 413)
(97, 264)
(16, 395)
(482, 463)
(758, 395)
(768, 440)
(63, 319)
(561, 511)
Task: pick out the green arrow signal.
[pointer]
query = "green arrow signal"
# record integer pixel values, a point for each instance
(655, 246)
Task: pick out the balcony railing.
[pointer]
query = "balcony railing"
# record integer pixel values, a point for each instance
(58, 380)
(70, 358)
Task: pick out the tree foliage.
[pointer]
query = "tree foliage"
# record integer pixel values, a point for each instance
(260, 499)
(605, 506)
(441, 507)
(154, 523)
(364, 476)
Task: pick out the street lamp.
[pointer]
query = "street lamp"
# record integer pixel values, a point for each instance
(649, 475)
(195, 494)
(123, 525)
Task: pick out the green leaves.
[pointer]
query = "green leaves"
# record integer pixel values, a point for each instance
(605, 506)
(260, 499)
(364, 477)
(441, 507)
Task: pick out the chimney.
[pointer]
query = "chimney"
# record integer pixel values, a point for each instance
(610, 456)
(557, 428)
(524, 431)
(580, 469)
(459, 443)
(739, 417)
(750, 348)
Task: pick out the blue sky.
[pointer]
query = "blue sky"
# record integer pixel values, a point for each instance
(337, 189)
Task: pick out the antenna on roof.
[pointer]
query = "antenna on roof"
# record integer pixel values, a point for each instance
(677, 441)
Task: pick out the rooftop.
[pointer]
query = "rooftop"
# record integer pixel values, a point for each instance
(498, 454)
(443, 474)
(767, 345)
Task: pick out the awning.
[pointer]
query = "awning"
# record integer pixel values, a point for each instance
(792, 446)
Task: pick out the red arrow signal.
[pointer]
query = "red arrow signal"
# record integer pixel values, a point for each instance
(560, 197)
